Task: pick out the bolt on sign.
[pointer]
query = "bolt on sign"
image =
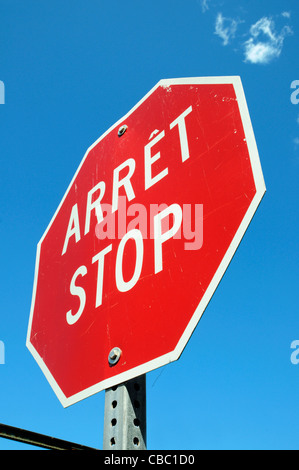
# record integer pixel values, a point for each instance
(143, 235)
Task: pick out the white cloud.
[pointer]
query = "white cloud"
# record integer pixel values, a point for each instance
(226, 28)
(264, 44)
(204, 5)
(286, 14)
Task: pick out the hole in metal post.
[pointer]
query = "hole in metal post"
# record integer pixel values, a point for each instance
(114, 404)
(113, 422)
(136, 441)
(112, 442)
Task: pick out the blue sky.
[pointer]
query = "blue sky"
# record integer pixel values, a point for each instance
(70, 70)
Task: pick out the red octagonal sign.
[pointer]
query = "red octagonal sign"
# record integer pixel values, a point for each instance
(143, 236)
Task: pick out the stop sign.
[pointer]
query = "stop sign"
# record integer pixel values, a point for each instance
(143, 235)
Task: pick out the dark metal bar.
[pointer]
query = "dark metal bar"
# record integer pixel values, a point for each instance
(40, 440)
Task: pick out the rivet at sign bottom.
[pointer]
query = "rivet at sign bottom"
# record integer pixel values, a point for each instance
(114, 356)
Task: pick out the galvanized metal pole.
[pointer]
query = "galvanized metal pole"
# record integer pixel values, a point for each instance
(125, 416)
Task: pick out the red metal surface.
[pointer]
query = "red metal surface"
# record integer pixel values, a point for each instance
(148, 320)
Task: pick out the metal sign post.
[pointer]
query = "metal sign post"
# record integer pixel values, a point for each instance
(125, 416)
